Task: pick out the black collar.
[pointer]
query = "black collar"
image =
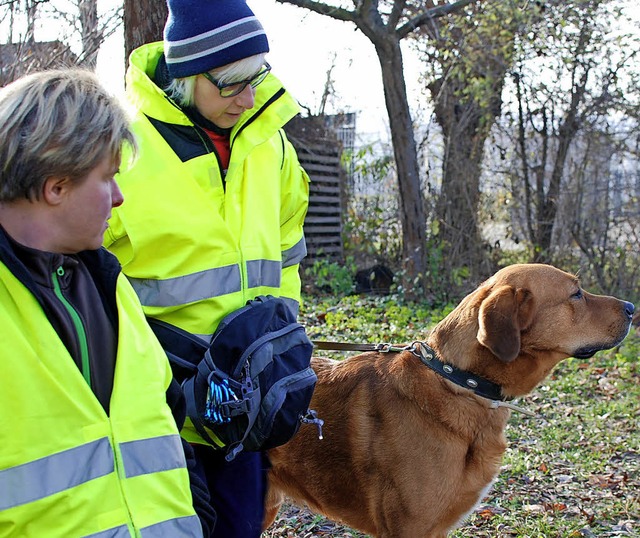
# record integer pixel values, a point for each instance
(480, 386)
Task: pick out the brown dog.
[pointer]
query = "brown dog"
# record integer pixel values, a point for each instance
(407, 453)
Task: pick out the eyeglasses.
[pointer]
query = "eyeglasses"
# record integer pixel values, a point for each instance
(231, 89)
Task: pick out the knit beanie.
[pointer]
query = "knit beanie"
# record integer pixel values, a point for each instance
(201, 35)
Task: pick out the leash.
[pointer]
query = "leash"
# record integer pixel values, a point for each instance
(427, 355)
(344, 346)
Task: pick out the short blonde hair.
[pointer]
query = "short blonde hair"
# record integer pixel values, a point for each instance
(57, 123)
(182, 90)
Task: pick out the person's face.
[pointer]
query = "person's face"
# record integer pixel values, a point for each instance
(86, 207)
(222, 111)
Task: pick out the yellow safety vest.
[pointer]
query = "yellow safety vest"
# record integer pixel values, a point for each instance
(196, 248)
(67, 469)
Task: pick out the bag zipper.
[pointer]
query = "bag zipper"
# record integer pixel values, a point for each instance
(77, 323)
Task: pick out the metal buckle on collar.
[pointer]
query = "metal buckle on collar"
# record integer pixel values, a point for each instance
(422, 350)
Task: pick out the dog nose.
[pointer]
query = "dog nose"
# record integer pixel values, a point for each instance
(629, 308)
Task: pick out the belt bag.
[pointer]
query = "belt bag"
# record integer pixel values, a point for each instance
(249, 389)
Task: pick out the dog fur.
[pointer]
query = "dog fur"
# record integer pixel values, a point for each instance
(408, 454)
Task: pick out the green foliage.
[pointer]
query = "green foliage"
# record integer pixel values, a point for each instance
(369, 318)
(471, 52)
(326, 276)
(372, 229)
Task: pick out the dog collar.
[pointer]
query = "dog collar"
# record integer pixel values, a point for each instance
(480, 386)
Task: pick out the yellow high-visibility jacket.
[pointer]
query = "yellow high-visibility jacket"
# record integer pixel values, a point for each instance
(194, 244)
(67, 469)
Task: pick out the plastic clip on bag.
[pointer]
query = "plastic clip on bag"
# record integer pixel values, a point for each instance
(251, 387)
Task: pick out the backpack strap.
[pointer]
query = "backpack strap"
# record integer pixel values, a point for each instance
(186, 353)
(183, 349)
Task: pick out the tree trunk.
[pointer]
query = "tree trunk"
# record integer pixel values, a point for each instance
(465, 125)
(412, 212)
(143, 23)
(92, 35)
(460, 196)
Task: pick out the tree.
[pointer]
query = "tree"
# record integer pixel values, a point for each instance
(574, 84)
(81, 33)
(80, 21)
(386, 24)
(467, 57)
(143, 22)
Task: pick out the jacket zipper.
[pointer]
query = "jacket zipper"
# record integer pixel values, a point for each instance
(77, 323)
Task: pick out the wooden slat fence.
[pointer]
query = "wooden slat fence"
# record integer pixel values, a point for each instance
(323, 224)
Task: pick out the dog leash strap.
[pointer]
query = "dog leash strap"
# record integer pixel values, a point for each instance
(342, 346)
(345, 346)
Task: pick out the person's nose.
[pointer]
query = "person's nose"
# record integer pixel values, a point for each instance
(116, 195)
(246, 97)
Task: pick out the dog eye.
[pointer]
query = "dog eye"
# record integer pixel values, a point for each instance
(577, 294)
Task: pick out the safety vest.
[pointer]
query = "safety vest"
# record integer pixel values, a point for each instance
(67, 469)
(194, 246)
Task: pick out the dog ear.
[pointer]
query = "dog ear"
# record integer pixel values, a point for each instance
(503, 314)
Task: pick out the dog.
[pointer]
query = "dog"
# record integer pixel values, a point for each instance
(414, 437)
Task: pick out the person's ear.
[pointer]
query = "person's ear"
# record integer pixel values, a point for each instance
(55, 189)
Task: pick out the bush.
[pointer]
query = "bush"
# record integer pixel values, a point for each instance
(326, 276)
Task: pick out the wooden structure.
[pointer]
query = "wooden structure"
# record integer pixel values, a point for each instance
(319, 152)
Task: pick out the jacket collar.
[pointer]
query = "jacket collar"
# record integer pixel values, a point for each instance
(102, 265)
(273, 103)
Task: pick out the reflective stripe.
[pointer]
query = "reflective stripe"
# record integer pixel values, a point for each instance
(214, 282)
(116, 532)
(295, 254)
(189, 288)
(181, 527)
(206, 338)
(152, 455)
(263, 273)
(46, 476)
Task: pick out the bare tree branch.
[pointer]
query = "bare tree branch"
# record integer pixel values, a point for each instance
(430, 14)
(321, 8)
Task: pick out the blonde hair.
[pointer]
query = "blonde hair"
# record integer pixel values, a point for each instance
(182, 90)
(57, 123)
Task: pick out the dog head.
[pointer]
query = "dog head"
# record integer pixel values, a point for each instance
(527, 318)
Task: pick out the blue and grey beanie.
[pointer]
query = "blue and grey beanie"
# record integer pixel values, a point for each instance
(201, 35)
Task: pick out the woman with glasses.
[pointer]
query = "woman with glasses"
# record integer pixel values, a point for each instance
(215, 201)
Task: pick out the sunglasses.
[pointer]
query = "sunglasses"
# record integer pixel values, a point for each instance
(231, 89)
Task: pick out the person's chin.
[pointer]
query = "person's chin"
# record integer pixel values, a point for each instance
(94, 244)
(231, 120)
